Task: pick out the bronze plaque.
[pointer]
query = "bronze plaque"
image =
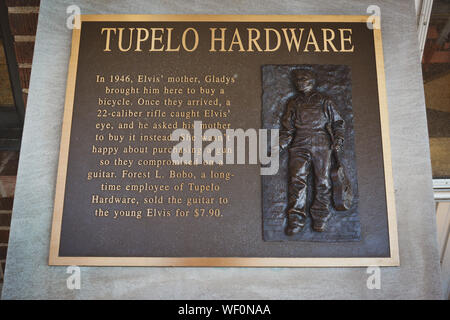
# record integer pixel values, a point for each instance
(225, 141)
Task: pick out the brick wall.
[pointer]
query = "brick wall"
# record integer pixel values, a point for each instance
(23, 17)
(8, 169)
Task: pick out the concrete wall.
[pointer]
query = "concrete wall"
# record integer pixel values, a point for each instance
(29, 276)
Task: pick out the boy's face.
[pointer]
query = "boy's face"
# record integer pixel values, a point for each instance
(304, 82)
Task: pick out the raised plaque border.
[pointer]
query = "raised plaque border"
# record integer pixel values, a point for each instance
(392, 260)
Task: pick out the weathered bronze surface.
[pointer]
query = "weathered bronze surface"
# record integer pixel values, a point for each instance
(311, 130)
(312, 133)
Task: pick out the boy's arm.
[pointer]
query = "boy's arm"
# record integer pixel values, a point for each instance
(337, 124)
(287, 129)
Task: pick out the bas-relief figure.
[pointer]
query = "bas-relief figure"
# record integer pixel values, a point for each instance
(313, 132)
